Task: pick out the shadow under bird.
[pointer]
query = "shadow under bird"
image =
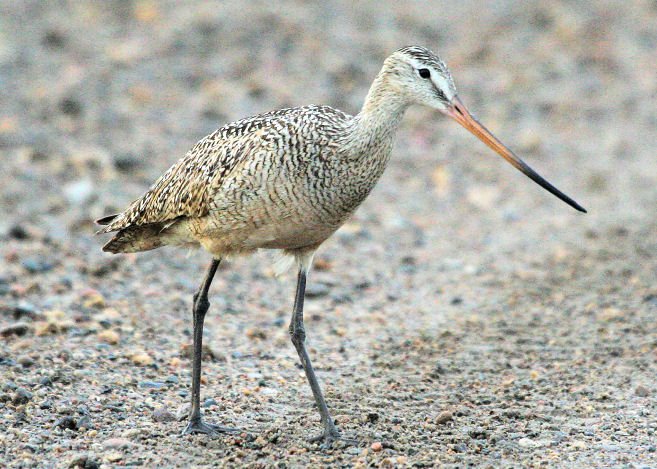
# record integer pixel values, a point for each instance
(287, 180)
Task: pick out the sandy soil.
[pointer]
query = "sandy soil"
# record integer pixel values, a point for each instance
(463, 318)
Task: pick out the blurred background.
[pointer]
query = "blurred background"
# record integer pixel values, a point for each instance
(97, 99)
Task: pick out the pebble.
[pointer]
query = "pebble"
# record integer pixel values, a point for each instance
(17, 329)
(79, 192)
(36, 265)
(444, 417)
(113, 456)
(108, 336)
(25, 361)
(21, 396)
(183, 411)
(316, 290)
(67, 422)
(376, 446)
(117, 443)
(642, 391)
(172, 379)
(526, 443)
(578, 444)
(151, 384)
(162, 414)
(78, 460)
(141, 358)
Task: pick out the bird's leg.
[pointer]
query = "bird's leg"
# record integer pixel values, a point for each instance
(298, 333)
(201, 305)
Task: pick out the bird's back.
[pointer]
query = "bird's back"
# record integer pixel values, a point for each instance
(239, 177)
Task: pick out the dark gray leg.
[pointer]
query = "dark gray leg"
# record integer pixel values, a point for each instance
(201, 305)
(298, 334)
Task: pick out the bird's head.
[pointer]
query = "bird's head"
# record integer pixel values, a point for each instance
(420, 77)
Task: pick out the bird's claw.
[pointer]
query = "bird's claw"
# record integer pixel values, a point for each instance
(199, 426)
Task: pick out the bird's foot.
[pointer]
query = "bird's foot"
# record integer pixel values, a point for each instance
(329, 437)
(199, 426)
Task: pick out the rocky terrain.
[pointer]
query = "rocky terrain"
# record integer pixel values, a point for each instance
(463, 318)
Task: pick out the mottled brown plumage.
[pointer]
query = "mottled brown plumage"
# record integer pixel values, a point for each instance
(287, 180)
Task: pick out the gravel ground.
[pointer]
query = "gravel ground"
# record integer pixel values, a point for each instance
(463, 318)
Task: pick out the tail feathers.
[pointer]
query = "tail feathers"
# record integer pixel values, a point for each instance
(137, 238)
(107, 220)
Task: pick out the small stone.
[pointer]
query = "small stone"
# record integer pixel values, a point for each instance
(21, 396)
(171, 379)
(209, 403)
(142, 359)
(94, 300)
(578, 444)
(117, 443)
(17, 329)
(18, 232)
(372, 417)
(183, 412)
(78, 460)
(642, 391)
(316, 290)
(67, 422)
(187, 350)
(444, 417)
(254, 333)
(70, 107)
(36, 265)
(25, 361)
(84, 423)
(162, 414)
(376, 446)
(526, 443)
(151, 384)
(113, 456)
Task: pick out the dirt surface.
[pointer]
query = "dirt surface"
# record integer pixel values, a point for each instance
(463, 318)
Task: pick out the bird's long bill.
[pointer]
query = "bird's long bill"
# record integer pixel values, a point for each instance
(460, 114)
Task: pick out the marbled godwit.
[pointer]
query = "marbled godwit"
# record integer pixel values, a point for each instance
(288, 180)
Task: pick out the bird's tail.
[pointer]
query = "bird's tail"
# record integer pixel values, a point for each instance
(137, 238)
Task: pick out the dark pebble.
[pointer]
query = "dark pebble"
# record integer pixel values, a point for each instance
(53, 39)
(372, 417)
(45, 405)
(23, 310)
(18, 329)
(209, 402)
(18, 232)
(478, 434)
(70, 107)
(457, 300)
(67, 422)
(21, 396)
(25, 361)
(126, 162)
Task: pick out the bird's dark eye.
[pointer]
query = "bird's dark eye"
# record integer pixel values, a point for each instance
(424, 72)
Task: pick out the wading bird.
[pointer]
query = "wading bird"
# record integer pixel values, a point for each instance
(287, 180)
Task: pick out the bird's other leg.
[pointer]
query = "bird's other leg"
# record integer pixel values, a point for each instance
(298, 333)
(201, 305)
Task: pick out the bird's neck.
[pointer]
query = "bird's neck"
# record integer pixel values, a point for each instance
(379, 118)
